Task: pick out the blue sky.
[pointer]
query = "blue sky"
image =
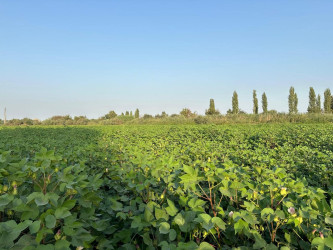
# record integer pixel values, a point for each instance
(89, 57)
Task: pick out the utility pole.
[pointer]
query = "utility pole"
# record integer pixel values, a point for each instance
(5, 116)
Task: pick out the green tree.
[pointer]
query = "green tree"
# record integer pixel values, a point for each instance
(235, 108)
(127, 113)
(137, 114)
(293, 101)
(327, 101)
(186, 113)
(110, 115)
(212, 110)
(332, 102)
(131, 113)
(312, 101)
(264, 103)
(318, 104)
(255, 103)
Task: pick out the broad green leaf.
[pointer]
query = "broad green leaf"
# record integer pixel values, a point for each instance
(179, 219)
(172, 235)
(50, 221)
(164, 228)
(171, 209)
(34, 227)
(5, 199)
(240, 225)
(329, 220)
(146, 239)
(148, 215)
(62, 245)
(329, 242)
(206, 221)
(260, 242)
(219, 222)
(115, 205)
(205, 246)
(61, 213)
(161, 214)
(69, 204)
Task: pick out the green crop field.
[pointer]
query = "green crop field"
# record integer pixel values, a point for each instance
(167, 187)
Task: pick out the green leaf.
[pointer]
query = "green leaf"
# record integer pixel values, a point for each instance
(329, 220)
(34, 227)
(271, 247)
(146, 239)
(41, 200)
(329, 242)
(5, 199)
(171, 209)
(45, 247)
(240, 225)
(61, 213)
(287, 237)
(24, 242)
(179, 219)
(164, 228)
(219, 222)
(318, 242)
(205, 246)
(69, 204)
(172, 235)
(189, 170)
(62, 245)
(267, 213)
(148, 215)
(206, 221)
(161, 214)
(260, 242)
(187, 245)
(115, 205)
(50, 221)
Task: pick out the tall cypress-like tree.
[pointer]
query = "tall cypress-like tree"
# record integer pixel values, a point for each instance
(332, 102)
(235, 108)
(255, 103)
(136, 114)
(312, 101)
(327, 101)
(264, 103)
(318, 104)
(292, 101)
(212, 110)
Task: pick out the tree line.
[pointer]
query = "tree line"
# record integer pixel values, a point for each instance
(314, 107)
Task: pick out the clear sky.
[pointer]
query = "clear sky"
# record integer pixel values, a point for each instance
(85, 57)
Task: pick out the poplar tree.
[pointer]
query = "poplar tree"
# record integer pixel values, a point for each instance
(327, 101)
(255, 103)
(312, 101)
(293, 101)
(235, 108)
(212, 110)
(318, 104)
(136, 114)
(264, 103)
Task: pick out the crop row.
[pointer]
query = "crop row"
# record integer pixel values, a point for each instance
(167, 187)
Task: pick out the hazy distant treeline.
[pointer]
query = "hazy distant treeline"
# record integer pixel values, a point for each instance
(316, 112)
